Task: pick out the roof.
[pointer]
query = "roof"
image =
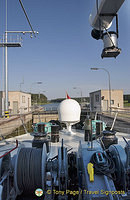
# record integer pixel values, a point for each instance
(18, 91)
(106, 90)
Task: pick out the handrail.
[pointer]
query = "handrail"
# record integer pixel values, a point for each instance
(10, 150)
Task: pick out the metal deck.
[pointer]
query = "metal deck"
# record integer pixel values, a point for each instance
(70, 141)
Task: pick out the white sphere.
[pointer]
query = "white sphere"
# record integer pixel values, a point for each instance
(69, 111)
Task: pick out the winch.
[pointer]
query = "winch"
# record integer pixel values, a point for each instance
(91, 173)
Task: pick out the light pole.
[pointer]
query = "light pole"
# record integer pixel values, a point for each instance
(39, 83)
(21, 84)
(95, 68)
(80, 91)
(41, 93)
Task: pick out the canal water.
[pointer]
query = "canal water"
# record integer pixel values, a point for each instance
(51, 106)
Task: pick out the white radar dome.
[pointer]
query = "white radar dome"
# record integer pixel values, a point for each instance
(69, 112)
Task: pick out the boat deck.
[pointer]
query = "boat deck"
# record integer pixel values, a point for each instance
(70, 141)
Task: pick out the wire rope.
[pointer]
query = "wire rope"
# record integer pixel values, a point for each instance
(29, 169)
(26, 16)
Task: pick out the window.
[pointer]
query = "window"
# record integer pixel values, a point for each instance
(102, 97)
(97, 98)
(112, 102)
(23, 99)
(8, 103)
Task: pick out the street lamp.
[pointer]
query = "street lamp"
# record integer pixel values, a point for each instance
(80, 91)
(95, 68)
(39, 83)
(42, 92)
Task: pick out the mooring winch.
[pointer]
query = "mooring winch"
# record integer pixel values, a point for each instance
(91, 173)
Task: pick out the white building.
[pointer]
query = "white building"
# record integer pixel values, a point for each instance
(19, 102)
(100, 101)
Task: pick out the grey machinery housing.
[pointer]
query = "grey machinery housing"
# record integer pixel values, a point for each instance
(66, 175)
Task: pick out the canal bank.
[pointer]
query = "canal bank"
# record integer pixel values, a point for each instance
(15, 124)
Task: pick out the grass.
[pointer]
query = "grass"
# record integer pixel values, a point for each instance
(126, 104)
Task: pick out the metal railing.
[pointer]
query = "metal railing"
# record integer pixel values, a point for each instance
(122, 113)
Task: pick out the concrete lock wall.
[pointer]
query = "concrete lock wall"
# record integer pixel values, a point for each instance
(121, 124)
(44, 117)
(7, 126)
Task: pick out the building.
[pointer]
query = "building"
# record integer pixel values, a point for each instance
(99, 100)
(19, 102)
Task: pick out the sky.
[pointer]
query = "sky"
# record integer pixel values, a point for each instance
(63, 52)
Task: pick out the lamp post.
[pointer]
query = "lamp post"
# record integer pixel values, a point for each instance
(40, 95)
(39, 83)
(80, 91)
(95, 68)
(43, 94)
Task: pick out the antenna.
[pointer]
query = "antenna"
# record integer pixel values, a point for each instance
(21, 83)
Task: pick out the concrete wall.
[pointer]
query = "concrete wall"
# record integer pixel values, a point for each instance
(44, 117)
(25, 102)
(121, 125)
(95, 101)
(7, 126)
(116, 99)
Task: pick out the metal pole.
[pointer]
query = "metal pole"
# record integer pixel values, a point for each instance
(80, 91)
(39, 82)
(109, 86)
(109, 83)
(6, 76)
(3, 103)
(81, 94)
(39, 97)
(6, 67)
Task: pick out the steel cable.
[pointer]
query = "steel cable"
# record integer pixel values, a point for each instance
(29, 169)
(27, 17)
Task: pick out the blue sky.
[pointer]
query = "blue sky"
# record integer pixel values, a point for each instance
(63, 52)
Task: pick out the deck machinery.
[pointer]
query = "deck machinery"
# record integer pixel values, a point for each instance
(91, 173)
